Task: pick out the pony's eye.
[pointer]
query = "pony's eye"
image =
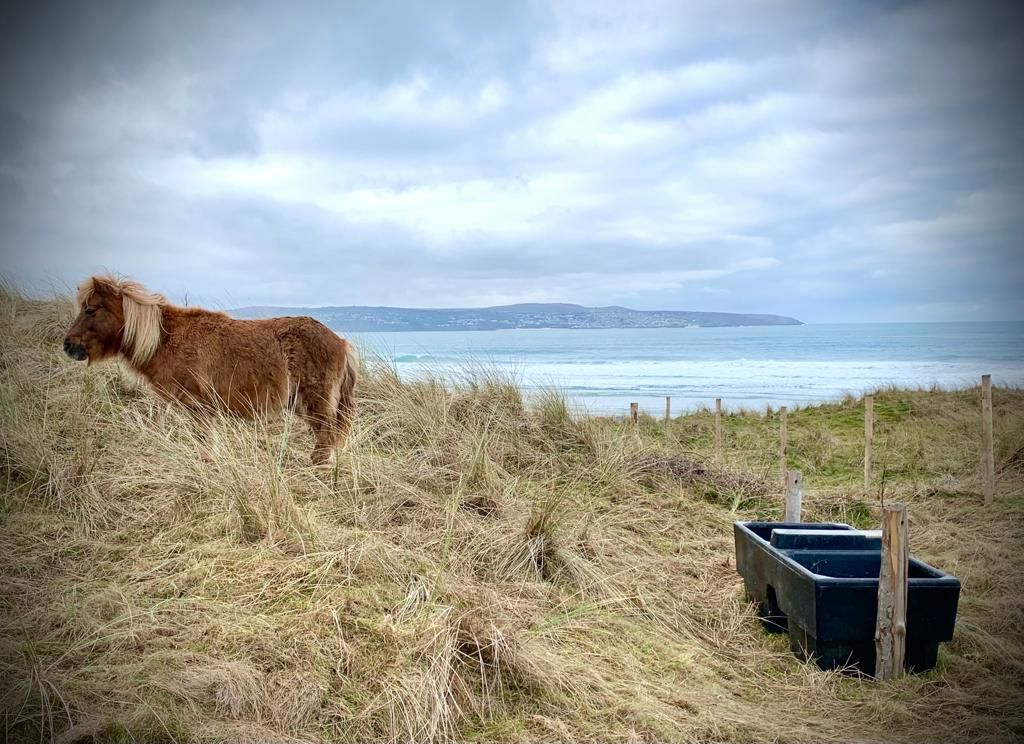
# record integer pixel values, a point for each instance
(90, 311)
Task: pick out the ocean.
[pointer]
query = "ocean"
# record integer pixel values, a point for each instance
(602, 371)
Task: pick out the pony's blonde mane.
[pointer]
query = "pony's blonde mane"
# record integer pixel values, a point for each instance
(143, 321)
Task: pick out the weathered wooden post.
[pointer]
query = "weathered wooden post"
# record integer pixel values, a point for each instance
(783, 437)
(891, 625)
(988, 460)
(718, 429)
(794, 495)
(634, 412)
(869, 437)
(668, 408)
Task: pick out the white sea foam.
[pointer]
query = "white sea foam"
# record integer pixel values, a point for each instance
(604, 370)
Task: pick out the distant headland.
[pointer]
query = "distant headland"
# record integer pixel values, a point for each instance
(502, 317)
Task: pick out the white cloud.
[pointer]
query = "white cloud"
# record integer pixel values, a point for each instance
(592, 152)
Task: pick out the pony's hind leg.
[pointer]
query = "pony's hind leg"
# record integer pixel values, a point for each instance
(319, 412)
(326, 436)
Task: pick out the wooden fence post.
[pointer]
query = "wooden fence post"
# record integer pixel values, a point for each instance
(988, 460)
(718, 429)
(891, 624)
(794, 495)
(783, 437)
(634, 412)
(869, 437)
(668, 408)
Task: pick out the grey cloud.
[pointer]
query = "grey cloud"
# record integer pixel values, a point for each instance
(456, 153)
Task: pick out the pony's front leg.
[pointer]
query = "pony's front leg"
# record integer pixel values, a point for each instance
(203, 435)
(200, 416)
(202, 429)
(160, 411)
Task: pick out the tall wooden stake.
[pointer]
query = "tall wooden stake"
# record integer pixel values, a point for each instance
(668, 408)
(794, 495)
(783, 437)
(891, 625)
(634, 412)
(869, 437)
(988, 460)
(718, 429)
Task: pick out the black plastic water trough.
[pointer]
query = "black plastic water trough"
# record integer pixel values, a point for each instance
(820, 582)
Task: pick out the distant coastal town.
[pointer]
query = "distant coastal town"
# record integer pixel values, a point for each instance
(533, 315)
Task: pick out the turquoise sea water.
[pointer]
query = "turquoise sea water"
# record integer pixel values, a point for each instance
(603, 370)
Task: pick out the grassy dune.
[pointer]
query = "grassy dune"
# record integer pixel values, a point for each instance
(471, 569)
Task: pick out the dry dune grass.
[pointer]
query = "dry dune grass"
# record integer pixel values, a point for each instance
(471, 569)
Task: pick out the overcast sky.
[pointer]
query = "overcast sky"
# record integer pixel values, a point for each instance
(831, 161)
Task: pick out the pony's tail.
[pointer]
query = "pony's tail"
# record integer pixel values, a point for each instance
(347, 394)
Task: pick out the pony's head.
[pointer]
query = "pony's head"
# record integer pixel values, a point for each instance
(115, 316)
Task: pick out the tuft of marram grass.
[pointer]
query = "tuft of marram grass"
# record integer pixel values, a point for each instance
(472, 568)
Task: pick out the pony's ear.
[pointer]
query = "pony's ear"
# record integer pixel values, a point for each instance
(94, 285)
(103, 285)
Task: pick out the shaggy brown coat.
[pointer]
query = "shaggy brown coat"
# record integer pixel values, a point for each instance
(209, 361)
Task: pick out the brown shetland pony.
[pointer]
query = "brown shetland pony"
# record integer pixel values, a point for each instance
(209, 361)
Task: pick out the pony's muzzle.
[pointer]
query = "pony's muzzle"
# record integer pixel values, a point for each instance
(75, 351)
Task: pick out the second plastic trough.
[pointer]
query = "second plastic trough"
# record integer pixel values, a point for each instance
(819, 582)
